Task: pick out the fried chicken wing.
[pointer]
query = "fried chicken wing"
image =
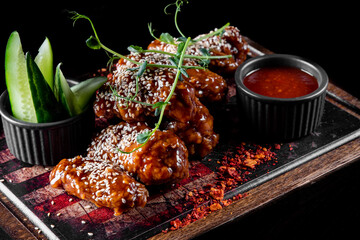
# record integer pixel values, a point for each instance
(209, 86)
(199, 135)
(163, 159)
(100, 182)
(154, 86)
(229, 43)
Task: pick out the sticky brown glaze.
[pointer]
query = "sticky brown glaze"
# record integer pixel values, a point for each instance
(209, 86)
(163, 159)
(154, 86)
(229, 43)
(100, 182)
(198, 134)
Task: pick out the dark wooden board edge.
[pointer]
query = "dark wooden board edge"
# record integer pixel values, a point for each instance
(17, 225)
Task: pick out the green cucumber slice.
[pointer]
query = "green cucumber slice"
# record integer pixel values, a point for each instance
(17, 80)
(75, 99)
(63, 92)
(84, 91)
(44, 60)
(46, 106)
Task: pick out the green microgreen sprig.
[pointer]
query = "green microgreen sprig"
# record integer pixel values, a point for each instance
(176, 60)
(178, 4)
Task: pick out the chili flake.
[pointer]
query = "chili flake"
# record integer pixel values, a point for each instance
(233, 169)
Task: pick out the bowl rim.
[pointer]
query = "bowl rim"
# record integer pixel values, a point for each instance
(286, 58)
(6, 115)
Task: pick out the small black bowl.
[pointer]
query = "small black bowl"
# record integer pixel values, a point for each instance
(281, 118)
(46, 143)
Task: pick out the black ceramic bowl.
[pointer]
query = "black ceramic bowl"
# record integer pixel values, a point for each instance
(45, 143)
(281, 118)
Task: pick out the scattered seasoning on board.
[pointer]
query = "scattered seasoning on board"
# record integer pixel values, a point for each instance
(233, 169)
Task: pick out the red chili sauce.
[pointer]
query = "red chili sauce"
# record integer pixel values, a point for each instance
(281, 82)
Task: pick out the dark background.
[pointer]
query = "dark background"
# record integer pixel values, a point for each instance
(324, 33)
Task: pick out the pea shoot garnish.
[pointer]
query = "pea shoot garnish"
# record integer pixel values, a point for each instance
(176, 61)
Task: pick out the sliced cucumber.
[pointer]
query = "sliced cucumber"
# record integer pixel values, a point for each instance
(35, 95)
(17, 80)
(63, 92)
(44, 60)
(84, 91)
(46, 106)
(76, 98)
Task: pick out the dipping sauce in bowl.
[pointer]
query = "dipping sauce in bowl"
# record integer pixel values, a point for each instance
(281, 96)
(281, 82)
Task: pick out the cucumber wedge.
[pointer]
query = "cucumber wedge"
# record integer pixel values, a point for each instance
(63, 92)
(35, 95)
(44, 60)
(84, 91)
(17, 80)
(46, 106)
(75, 99)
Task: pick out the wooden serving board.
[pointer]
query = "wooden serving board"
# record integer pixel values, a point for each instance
(60, 216)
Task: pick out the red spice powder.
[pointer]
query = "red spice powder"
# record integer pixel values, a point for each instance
(233, 169)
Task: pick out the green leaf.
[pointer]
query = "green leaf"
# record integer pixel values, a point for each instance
(135, 49)
(132, 69)
(93, 43)
(175, 61)
(183, 71)
(167, 38)
(205, 52)
(143, 137)
(159, 104)
(182, 39)
(180, 49)
(158, 107)
(157, 112)
(142, 69)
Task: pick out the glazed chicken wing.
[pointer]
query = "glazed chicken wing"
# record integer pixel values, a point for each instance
(209, 86)
(229, 43)
(163, 159)
(100, 182)
(185, 109)
(106, 176)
